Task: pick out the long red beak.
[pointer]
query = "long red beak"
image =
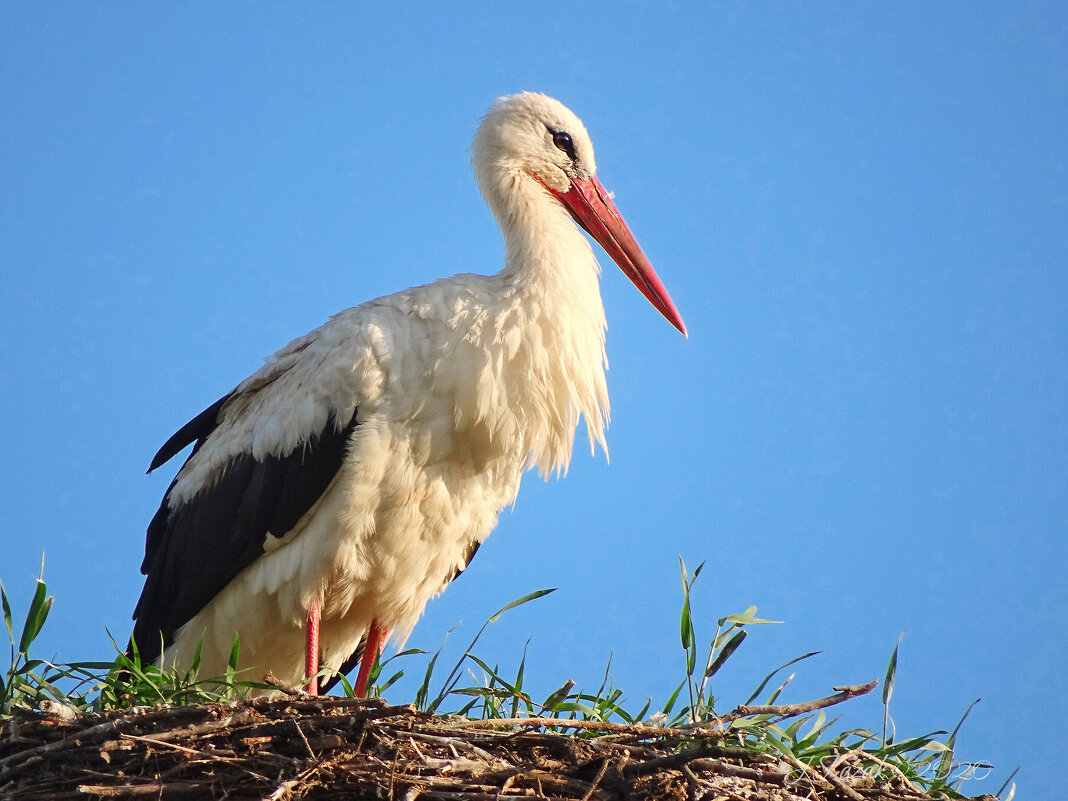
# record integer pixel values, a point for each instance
(594, 210)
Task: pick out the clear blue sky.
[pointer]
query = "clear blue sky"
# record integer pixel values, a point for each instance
(859, 209)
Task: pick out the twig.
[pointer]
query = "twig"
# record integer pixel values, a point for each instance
(284, 789)
(197, 729)
(780, 710)
(861, 755)
(840, 785)
(697, 789)
(208, 755)
(792, 710)
(293, 692)
(596, 780)
(305, 739)
(453, 742)
(151, 788)
(320, 703)
(562, 723)
(696, 761)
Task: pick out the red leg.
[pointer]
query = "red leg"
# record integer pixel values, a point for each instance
(372, 647)
(311, 651)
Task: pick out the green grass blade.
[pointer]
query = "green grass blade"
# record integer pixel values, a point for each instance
(748, 617)
(945, 764)
(520, 601)
(495, 677)
(36, 616)
(891, 672)
(194, 666)
(888, 685)
(389, 682)
(235, 652)
(912, 744)
(673, 698)
(771, 675)
(1008, 782)
(642, 713)
(7, 613)
(725, 654)
(607, 679)
(819, 725)
(790, 733)
(688, 637)
(518, 683)
(556, 697)
(423, 692)
(778, 690)
(90, 666)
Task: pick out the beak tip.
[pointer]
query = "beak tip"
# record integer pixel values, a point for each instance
(670, 313)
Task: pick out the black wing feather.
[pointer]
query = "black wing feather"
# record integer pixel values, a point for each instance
(194, 550)
(196, 430)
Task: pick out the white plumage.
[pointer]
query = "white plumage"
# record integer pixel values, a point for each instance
(457, 387)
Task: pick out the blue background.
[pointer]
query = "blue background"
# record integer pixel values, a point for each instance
(860, 210)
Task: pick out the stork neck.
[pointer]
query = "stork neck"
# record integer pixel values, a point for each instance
(549, 283)
(546, 253)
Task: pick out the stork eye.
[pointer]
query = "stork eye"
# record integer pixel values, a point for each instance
(562, 140)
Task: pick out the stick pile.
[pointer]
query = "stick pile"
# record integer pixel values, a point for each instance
(341, 748)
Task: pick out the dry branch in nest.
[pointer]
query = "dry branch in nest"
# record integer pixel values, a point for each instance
(341, 748)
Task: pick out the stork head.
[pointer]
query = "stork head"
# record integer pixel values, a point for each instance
(533, 143)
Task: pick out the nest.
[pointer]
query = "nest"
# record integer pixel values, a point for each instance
(342, 748)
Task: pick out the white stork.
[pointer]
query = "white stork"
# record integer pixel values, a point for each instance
(334, 492)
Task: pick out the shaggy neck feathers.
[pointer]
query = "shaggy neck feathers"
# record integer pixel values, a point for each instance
(551, 276)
